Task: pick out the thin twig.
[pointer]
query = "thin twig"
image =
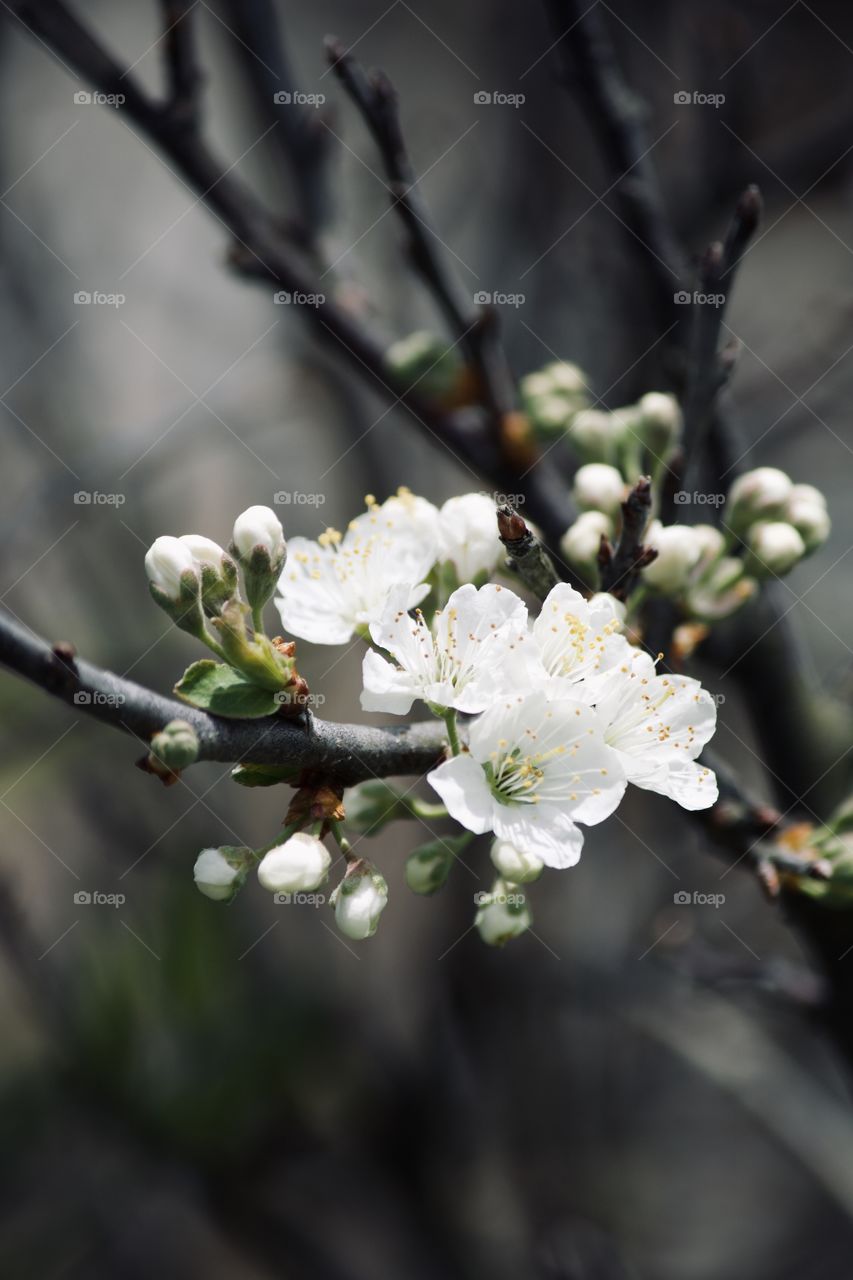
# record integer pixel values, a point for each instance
(620, 567)
(526, 553)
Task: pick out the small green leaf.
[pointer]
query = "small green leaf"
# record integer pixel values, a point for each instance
(263, 775)
(223, 691)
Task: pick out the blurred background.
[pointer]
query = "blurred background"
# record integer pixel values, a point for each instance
(635, 1089)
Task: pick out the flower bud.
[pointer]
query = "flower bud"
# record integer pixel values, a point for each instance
(297, 866)
(428, 867)
(774, 548)
(513, 865)
(167, 560)
(426, 359)
(712, 544)
(580, 543)
(757, 495)
(359, 901)
(678, 551)
(219, 873)
(468, 536)
(566, 378)
(593, 434)
(176, 745)
(721, 592)
(806, 511)
(258, 543)
(658, 422)
(598, 487)
(549, 415)
(217, 571)
(503, 914)
(370, 805)
(174, 584)
(533, 386)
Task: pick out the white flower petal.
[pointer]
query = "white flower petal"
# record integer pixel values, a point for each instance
(386, 687)
(463, 788)
(543, 831)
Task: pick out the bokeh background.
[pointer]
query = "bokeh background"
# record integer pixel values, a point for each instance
(633, 1090)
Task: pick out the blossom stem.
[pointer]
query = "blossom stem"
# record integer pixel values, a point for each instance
(426, 811)
(452, 732)
(342, 841)
(258, 619)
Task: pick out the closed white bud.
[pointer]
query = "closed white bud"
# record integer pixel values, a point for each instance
(550, 413)
(758, 495)
(534, 386)
(165, 562)
(359, 901)
(259, 527)
(566, 377)
(204, 550)
(598, 487)
(503, 914)
(592, 433)
(214, 875)
(806, 511)
(468, 535)
(217, 570)
(712, 544)
(775, 547)
(659, 421)
(678, 551)
(581, 541)
(297, 866)
(515, 865)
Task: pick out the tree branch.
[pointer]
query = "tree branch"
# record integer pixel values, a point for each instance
(348, 753)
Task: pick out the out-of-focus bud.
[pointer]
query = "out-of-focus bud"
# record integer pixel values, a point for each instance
(658, 422)
(220, 873)
(359, 901)
(258, 544)
(678, 551)
(723, 590)
(513, 864)
(598, 487)
(175, 746)
(580, 543)
(428, 360)
(502, 914)
(567, 378)
(533, 386)
(806, 510)
(173, 581)
(217, 571)
(774, 548)
(297, 866)
(370, 805)
(549, 415)
(757, 495)
(428, 867)
(591, 433)
(712, 544)
(468, 536)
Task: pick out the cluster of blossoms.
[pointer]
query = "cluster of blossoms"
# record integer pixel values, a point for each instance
(561, 711)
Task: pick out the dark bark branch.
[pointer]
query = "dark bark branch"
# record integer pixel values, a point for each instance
(184, 78)
(620, 568)
(348, 753)
(526, 553)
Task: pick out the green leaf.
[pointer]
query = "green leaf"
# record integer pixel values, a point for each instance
(223, 691)
(263, 775)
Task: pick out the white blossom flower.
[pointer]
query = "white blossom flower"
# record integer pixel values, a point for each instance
(339, 584)
(463, 661)
(214, 875)
(259, 527)
(536, 767)
(574, 639)
(468, 535)
(165, 561)
(359, 901)
(658, 725)
(297, 866)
